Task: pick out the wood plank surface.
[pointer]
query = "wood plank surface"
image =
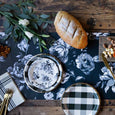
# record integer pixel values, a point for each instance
(94, 15)
(53, 107)
(102, 40)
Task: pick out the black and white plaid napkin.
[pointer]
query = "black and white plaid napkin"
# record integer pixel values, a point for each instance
(80, 99)
(6, 82)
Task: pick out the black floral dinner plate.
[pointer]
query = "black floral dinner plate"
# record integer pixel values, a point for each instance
(43, 73)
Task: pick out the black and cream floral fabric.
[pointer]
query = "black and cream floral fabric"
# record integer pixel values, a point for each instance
(79, 66)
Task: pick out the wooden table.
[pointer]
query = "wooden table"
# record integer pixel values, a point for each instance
(95, 16)
(53, 107)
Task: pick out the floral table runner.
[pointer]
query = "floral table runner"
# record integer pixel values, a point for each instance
(79, 66)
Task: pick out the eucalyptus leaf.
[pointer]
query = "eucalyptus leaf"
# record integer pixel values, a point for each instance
(24, 10)
(50, 22)
(44, 16)
(27, 40)
(8, 6)
(44, 47)
(10, 29)
(43, 42)
(20, 34)
(34, 25)
(5, 37)
(40, 48)
(4, 9)
(45, 36)
(34, 40)
(30, 4)
(15, 7)
(30, 10)
(6, 23)
(15, 34)
(33, 16)
(23, 4)
(45, 26)
(8, 13)
(24, 16)
(39, 23)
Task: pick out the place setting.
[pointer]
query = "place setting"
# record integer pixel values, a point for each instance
(66, 65)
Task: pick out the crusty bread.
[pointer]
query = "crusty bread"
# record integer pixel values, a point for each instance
(70, 30)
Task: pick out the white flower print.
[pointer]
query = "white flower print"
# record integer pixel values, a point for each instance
(79, 78)
(2, 34)
(23, 45)
(97, 34)
(113, 89)
(49, 96)
(106, 81)
(2, 59)
(96, 59)
(61, 48)
(66, 76)
(60, 93)
(17, 70)
(85, 63)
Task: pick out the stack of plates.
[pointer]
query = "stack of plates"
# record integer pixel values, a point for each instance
(80, 99)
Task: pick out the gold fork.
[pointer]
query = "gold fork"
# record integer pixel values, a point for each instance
(9, 96)
(4, 102)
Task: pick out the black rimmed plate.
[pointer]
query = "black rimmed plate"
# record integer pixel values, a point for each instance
(43, 73)
(81, 99)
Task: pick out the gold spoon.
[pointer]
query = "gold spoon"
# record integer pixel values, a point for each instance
(107, 65)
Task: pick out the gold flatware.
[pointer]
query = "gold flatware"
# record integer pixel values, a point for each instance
(5, 101)
(6, 107)
(107, 65)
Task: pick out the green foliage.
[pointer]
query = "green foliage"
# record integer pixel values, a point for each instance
(24, 10)
(44, 16)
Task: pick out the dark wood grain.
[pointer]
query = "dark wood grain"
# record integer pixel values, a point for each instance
(94, 15)
(103, 40)
(53, 107)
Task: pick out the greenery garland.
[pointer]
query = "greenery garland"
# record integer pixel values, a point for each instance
(21, 22)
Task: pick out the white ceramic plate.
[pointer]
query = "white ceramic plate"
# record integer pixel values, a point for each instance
(80, 99)
(43, 73)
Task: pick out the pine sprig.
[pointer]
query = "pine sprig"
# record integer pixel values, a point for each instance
(21, 22)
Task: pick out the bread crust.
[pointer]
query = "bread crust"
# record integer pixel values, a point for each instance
(70, 30)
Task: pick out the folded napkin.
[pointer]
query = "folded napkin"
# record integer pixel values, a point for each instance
(6, 82)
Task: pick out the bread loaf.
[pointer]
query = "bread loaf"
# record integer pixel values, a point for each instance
(70, 30)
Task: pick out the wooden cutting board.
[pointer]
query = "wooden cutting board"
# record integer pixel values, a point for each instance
(102, 40)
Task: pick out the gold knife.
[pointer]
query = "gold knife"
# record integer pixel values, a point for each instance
(107, 64)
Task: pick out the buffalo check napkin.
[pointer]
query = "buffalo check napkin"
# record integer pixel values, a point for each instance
(80, 99)
(6, 82)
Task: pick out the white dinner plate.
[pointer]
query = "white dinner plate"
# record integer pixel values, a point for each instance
(81, 99)
(43, 73)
